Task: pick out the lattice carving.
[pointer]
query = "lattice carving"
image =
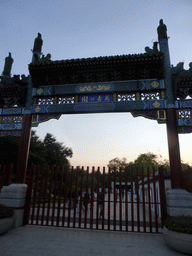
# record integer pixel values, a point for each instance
(17, 119)
(150, 96)
(65, 100)
(45, 101)
(12, 133)
(126, 97)
(6, 119)
(184, 113)
(11, 119)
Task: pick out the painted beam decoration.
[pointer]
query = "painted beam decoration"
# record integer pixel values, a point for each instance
(124, 86)
(11, 125)
(37, 119)
(122, 96)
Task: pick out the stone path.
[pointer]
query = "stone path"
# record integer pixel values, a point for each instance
(52, 241)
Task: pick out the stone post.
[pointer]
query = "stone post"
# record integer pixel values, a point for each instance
(14, 196)
(179, 202)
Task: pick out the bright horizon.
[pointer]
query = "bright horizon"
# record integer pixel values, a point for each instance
(88, 28)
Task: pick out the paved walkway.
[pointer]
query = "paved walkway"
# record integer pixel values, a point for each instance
(51, 241)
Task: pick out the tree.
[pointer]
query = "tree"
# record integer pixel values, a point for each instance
(146, 160)
(116, 163)
(49, 151)
(142, 161)
(46, 152)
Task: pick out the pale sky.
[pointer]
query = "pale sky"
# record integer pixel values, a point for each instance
(91, 28)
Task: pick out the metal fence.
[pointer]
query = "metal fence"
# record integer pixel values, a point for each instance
(85, 198)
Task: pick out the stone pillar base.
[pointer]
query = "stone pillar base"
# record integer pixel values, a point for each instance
(179, 202)
(14, 196)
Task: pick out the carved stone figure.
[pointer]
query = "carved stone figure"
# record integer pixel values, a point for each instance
(24, 78)
(38, 44)
(150, 51)
(155, 47)
(45, 59)
(8, 65)
(162, 30)
(190, 66)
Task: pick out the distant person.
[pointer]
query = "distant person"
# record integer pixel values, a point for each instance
(123, 193)
(115, 195)
(101, 210)
(129, 193)
(86, 200)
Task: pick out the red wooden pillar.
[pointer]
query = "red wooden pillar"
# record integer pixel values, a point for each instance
(23, 149)
(172, 134)
(174, 151)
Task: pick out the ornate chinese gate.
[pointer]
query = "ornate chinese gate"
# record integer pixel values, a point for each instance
(143, 84)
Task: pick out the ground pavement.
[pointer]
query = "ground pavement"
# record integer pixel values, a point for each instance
(52, 241)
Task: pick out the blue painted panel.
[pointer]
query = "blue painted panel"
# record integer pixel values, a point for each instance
(12, 111)
(95, 107)
(11, 126)
(99, 107)
(184, 122)
(96, 98)
(183, 104)
(121, 86)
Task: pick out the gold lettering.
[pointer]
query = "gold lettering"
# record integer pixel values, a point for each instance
(98, 87)
(99, 98)
(107, 98)
(85, 99)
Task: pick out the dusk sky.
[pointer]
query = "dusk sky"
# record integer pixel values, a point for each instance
(91, 28)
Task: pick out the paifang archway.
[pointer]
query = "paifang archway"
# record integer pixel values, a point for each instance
(143, 84)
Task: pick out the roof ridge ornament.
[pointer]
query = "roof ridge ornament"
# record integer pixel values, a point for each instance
(150, 51)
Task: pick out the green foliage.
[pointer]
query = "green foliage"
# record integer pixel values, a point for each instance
(142, 161)
(181, 224)
(184, 166)
(42, 152)
(5, 211)
(49, 151)
(146, 160)
(117, 163)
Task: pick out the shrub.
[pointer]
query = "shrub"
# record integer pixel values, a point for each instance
(181, 224)
(5, 211)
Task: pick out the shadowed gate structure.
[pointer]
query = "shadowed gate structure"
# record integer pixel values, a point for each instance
(78, 198)
(143, 84)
